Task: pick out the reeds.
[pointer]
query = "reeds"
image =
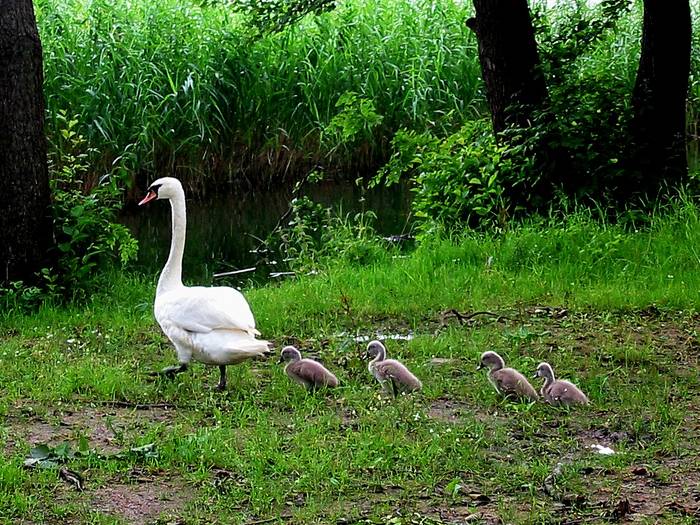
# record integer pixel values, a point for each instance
(174, 87)
(190, 89)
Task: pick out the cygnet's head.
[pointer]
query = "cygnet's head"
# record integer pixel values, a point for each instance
(375, 348)
(544, 370)
(163, 188)
(290, 353)
(491, 360)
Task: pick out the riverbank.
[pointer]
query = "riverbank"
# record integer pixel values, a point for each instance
(614, 310)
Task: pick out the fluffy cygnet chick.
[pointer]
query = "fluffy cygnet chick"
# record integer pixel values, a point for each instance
(306, 372)
(390, 371)
(558, 392)
(507, 381)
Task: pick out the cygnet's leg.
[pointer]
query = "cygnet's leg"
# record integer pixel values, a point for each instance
(394, 388)
(222, 380)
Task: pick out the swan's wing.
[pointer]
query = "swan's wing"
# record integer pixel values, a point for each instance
(201, 309)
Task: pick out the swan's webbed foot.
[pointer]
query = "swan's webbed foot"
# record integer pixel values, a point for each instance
(171, 371)
(222, 381)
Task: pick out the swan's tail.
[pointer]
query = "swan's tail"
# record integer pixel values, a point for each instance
(253, 332)
(228, 346)
(251, 345)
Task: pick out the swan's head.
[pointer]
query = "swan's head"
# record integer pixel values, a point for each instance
(374, 349)
(289, 353)
(491, 360)
(164, 188)
(544, 370)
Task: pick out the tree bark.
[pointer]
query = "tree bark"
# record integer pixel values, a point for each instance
(658, 127)
(25, 220)
(509, 61)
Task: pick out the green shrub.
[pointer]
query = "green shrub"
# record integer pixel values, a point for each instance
(355, 122)
(461, 179)
(571, 150)
(88, 238)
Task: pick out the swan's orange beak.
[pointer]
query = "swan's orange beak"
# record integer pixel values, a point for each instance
(149, 197)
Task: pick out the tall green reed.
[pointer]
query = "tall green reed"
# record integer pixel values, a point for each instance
(192, 89)
(174, 87)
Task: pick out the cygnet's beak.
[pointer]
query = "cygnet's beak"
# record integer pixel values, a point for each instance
(280, 360)
(480, 366)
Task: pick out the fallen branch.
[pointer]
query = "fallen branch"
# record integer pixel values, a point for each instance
(137, 406)
(464, 317)
(274, 275)
(235, 272)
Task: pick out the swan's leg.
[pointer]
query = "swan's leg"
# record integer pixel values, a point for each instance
(222, 381)
(171, 371)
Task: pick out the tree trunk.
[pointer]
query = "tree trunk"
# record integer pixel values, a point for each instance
(509, 61)
(659, 98)
(25, 221)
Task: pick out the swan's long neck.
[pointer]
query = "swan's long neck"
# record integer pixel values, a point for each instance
(171, 276)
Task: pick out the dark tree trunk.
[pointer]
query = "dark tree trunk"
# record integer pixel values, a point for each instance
(25, 222)
(509, 61)
(658, 124)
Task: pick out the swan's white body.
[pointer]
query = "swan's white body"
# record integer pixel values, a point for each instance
(211, 325)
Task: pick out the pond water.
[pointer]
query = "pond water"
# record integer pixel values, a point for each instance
(224, 231)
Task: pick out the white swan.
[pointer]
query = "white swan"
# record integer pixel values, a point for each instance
(212, 325)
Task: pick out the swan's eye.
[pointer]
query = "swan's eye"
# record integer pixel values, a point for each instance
(154, 188)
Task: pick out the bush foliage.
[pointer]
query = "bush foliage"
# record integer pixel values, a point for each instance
(572, 150)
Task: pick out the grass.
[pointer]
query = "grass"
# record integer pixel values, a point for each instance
(613, 310)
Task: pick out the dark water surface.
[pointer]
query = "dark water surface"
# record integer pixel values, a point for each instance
(222, 231)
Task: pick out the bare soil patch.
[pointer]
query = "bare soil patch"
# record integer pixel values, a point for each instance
(448, 411)
(102, 427)
(640, 493)
(143, 502)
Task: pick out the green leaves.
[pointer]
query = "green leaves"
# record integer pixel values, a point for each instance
(356, 121)
(46, 456)
(273, 16)
(85, 219)
(460, 179)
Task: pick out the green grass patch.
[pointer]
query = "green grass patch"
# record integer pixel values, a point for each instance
(613, 310)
